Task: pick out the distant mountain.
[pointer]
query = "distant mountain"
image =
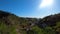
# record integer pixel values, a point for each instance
(12, 24)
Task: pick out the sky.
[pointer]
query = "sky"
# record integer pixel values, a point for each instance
(31, 8)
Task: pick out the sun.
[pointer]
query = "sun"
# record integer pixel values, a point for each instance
(45, 3)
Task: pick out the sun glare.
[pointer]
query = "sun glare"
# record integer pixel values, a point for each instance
(45, 3)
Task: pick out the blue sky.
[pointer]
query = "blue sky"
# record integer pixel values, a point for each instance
(30, 8)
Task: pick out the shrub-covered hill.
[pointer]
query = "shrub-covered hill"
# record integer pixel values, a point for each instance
(12, 24)
(52, 21)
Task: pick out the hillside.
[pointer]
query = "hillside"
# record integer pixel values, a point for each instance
(12, 24)
(52, 21)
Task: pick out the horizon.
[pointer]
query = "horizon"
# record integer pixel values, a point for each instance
(28, 16)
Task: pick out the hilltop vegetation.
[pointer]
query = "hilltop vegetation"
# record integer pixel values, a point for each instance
(12, 24)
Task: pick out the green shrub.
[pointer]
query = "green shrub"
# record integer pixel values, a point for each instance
(4, 29)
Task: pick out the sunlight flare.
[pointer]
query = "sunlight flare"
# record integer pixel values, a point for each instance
(46, 3)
